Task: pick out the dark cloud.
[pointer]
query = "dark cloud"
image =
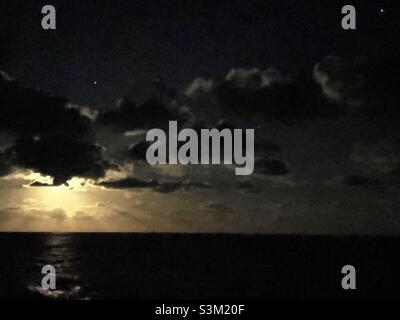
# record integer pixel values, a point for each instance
(337, 86)
(196, 184)
(266, 148)
(270, 167)
(17, 212)
(248, 187)
(220, 212)
(361, 181)
(129, 183)
(52, 138)
(60, 157)
(380, 157)
(171, 186)
(142, 91)
(5, 165)
(40, 184)
(263, 94)
(58, 214)
(138, 150)
(219, 207)
(222, 124)
(30, 112)
(159, 186)
(364, 85)
(58, 140)
(7, 42)
(130, 116)
(168, 186)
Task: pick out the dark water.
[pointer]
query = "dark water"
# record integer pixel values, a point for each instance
(178, 266)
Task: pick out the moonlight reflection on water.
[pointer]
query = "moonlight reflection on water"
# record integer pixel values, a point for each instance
(59, 252)
(194, 266)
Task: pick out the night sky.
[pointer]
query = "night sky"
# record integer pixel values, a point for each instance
(76, 103)
(120, 43)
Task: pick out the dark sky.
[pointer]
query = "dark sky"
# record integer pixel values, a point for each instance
(76, 103)
(118, 43)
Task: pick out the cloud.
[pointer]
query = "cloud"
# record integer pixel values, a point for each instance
(58, 214)
(219, 207)
(270, 167)
(142, 91)
(361, 181)
(138, 150)
(266, 148)
(129, 183)
(255, 79)
(199, 86)
(21, 212)
(130, 116)
(381, 157)
(59, 157)
(364, 85)
(167, 186)
(220, 212)
(51, 136)
(336, 86)
(256, 94)
(58, 139)
(5, 165)
(5, 76)
(162, 186)
(248, 187)
(40, 184)
(6, 43)
(171, 186)
(84, 111)
(30, 112)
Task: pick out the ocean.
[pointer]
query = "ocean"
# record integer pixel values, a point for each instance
(197, 266)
